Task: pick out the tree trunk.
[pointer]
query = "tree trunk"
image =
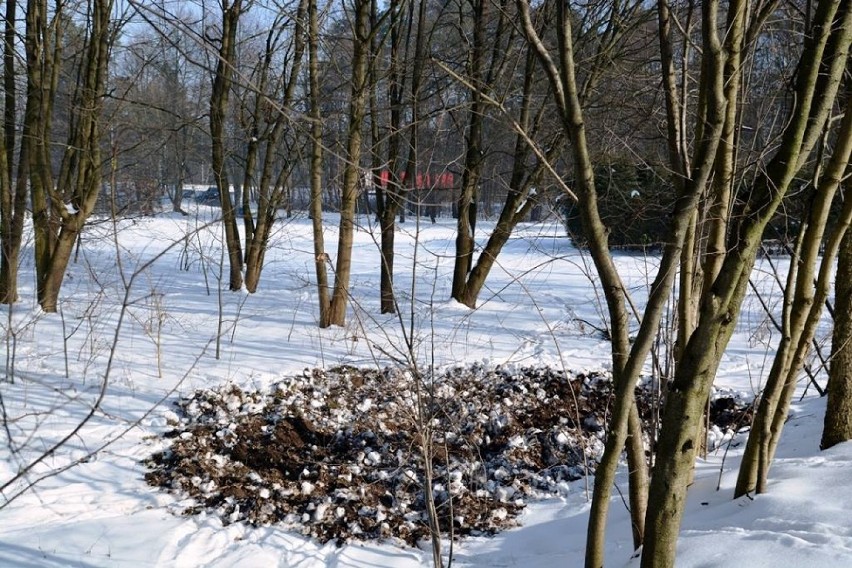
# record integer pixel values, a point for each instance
(473, 162)
(387, 224)
(677, 446)
(517, 204)
(837, 427)
(387, 195)
(11, 204)
(59, 262)
(320, 256)
(721, 302)
(271, 194)
(33, 165)
(627, 359)
(73, 198)
(352, 169)
(387, 299)
(10, 245)
(683, 215)
(638, 481)
(821, 287)
(803, 301)
(218, 110)
(10, 98)
(392, 201)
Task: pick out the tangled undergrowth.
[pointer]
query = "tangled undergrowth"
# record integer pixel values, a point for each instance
(337, 454)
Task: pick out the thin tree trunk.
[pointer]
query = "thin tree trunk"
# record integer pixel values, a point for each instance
(270, 194)
(683, 215)
(837, 426)
(725, 168)
(10, 246)
(218, 110)
(389, 197)
(393, 198)
(33, 166)
(676, 448)
(352, 169)
(474, 159)
(320, 256)
(10, 99)
(637, 472)
(627, 360)
(811, 296)
(11, 205)
(517, 204)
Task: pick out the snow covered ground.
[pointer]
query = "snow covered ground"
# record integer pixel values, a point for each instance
(539, 308)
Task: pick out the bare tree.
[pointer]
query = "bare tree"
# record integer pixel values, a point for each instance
(352, 172)
(156, 113)
(628, 356)
(807, 288)
(391, 194)
(12, 198)
(61, 204)
(527, 170)
(838, 414)
(481, 73)
(820, 69)
(316, 169)
(222, 79)
(268, 121)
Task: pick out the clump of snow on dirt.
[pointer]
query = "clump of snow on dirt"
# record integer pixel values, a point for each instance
(338, 454)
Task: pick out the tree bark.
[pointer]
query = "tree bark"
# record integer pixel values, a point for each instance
(59, 219)
(12, 198)
(320, 256)
(721, 301)
(352, 169)
(474, 151)
(837, 426)
(218, 111)
(677, 445)
(803, 302)
(270, 189)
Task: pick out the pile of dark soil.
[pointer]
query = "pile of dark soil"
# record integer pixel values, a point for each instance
(338, 454)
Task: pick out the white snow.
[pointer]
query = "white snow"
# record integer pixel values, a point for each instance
(536, 309)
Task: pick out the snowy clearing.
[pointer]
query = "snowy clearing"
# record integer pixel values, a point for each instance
(539, 309)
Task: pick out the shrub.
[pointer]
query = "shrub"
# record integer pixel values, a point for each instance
(634, 202)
